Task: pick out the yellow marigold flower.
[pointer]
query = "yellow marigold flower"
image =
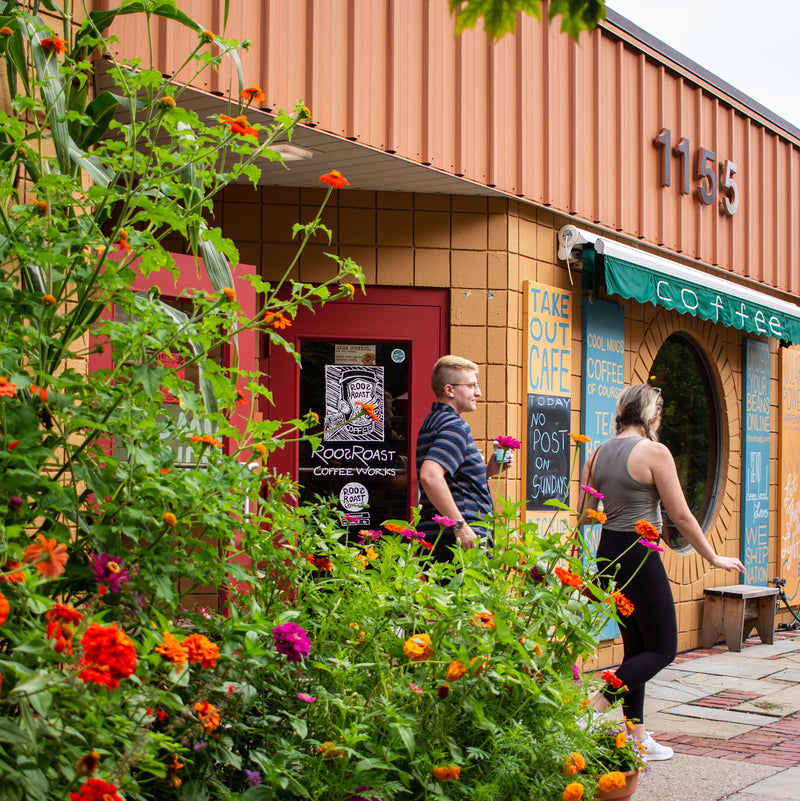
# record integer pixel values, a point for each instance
(418, 648)
(48, 300)
(167, 101)
(447, 773)
(574, 763)
(455, 670)
(170, 519)
(573, 792)
(622, 738)
(230, 294)
(207, 37)
(172, 650)
(611, 781)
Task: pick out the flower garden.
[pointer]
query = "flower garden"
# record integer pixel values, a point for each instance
(331, 669)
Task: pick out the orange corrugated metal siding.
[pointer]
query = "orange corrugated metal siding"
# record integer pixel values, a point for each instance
(566, 125)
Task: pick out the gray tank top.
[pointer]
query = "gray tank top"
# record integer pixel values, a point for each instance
(625, 500)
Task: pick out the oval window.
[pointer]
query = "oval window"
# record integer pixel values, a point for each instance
(690, 427)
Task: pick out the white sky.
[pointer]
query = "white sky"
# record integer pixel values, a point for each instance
(753, 46)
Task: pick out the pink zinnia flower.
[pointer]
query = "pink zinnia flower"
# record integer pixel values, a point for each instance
(415, 689)
(109, 570)
(309, 699)
(292, 641)
(592, 491)
(410, 534)
(446, 522)
(651, 545)
(369, 534)
(509, 443)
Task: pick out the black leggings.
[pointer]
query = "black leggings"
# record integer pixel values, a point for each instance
(650, 634)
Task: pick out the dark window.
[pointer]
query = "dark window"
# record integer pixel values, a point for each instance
(690, 427)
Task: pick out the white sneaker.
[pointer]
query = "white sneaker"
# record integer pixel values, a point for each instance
(653, 751)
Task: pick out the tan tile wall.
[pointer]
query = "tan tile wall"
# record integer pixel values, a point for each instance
(483, 250)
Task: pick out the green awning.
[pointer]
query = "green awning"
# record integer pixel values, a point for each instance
(646, 278)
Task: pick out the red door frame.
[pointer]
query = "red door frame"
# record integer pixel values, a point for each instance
(418, 316)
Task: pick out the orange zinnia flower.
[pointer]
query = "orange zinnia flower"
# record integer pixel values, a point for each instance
(369, 408)
(254, 94)
(238, 125)
(334, 179)
(647, 530)
(277, 320)
(12, 572)
(394, 528)
(206, 439)
(418, 648)
(48, 557)
(208, 714)
(328, 749)
(40, 391)
(7, 389)
(52, 43)
(455, 670)
(201, 650)
(172, 650)
(624, 606)
(484, 619)
(241, 397)
(580, 438)
(5, 609)
(447, 773)
(600, 517)
(568, 578)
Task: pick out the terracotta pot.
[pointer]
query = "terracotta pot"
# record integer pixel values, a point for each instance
(622, 793)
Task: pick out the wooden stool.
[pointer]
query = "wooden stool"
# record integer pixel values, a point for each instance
(734, 611)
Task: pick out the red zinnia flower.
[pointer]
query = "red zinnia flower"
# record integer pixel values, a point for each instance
(12, 572)
(96, 790)
(61, 622)
(334, 179)
(7, 389)
(611, 679)
(108, 656)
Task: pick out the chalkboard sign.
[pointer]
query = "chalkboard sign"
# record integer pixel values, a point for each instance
(548, 450)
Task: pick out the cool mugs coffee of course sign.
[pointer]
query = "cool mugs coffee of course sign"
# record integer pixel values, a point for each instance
(548, 370)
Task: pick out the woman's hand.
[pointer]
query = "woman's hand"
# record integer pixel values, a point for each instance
(727, 563)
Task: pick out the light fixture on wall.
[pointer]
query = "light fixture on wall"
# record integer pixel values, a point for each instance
(292, 152)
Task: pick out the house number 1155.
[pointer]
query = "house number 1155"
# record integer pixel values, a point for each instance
(708, 185)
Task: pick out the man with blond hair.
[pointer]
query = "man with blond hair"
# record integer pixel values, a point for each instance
(453, 477)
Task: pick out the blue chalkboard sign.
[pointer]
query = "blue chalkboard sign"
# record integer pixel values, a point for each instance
(755, 463)
(603, 381)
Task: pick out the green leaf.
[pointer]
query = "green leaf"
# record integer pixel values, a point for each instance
(408, 738)
(101, 110)
(300, 727)
(9, 733)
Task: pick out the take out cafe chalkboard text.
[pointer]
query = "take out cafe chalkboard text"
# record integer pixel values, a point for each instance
(548, 376)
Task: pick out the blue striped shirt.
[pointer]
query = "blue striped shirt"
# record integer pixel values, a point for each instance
(445, 438)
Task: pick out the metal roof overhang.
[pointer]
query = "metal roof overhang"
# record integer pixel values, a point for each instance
(647, 278)
(364, 167)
